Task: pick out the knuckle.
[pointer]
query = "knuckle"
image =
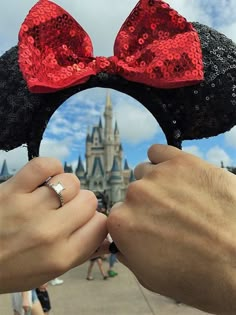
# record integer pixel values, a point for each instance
(91, 198)
(73, 179)
(134, 190)
(46, 165)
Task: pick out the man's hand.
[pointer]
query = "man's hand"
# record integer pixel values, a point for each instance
(176, 229)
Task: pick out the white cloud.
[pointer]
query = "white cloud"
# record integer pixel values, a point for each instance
(49, 148)
(102, 19)
(230, 137)
(216, 155)
(195, 150)
(136, 124)
(192, 10)
(55, 148)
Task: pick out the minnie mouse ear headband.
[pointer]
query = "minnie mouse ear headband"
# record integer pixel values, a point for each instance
(183, 73)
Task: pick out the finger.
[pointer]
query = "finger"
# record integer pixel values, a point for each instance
(159, 153)
(49, 199)
(77, 212)
(143, 169)
(84, 242)
(34, 174)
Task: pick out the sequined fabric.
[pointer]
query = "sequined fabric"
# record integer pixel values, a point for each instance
(192, 112)
(155, 46)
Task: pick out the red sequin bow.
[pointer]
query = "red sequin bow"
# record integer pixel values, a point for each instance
(155, 46)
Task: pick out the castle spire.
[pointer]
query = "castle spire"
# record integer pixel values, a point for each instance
(126, 166)
(88, 137)
(115, 166)
(132, 177)
(4, 171)
(100, 123)
(80, 167)
(68, 168)
(108, 100)
(116, 131)
(108, 134)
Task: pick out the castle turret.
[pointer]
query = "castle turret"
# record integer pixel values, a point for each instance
(126, 173)
(100, 123)
(88, 152)
(117, 144)
(4, 175)
(97, 176)
(132, 177)
(126, 166)
(68, 168)
(80, 173)
(108, 135)
(116, 181)
(116, 133)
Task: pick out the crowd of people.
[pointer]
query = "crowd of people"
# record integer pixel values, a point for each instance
(32, 302)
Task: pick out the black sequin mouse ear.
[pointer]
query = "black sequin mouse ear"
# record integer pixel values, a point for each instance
(188, 110)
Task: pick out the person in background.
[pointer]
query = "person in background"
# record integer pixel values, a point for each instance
(111, 260)
(99, 262)
(44, 299)
(56, 281)
(26, 303)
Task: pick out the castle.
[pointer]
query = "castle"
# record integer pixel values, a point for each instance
(105, 171)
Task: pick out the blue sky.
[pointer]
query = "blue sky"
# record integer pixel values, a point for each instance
(65, 135)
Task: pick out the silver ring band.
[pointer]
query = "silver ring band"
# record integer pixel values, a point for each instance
(58, 188)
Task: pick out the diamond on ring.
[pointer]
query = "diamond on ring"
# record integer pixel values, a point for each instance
(58, 188)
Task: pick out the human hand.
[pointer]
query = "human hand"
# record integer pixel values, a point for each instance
(38, 240)
(176, 229)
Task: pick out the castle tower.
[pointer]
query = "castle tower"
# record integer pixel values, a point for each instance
(126, 173)
(88, 152)
(4, 174)
(117, 145)
(96, 182)
(68, 168)
(132, 177)
(108, 135)
(80, 173)
(116, 181)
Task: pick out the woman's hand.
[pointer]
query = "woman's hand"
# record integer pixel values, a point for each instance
(40, 240)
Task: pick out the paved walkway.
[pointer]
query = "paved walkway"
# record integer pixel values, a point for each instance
(121, 295)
